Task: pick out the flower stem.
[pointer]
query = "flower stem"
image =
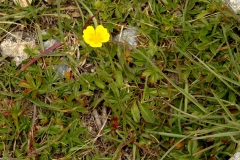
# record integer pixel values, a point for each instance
(91, 14)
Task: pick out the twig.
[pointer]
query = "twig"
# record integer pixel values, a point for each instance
(104, 114)
(36, 151)
(146, 150)
(50, 49)
(97, 119)
(31, 135)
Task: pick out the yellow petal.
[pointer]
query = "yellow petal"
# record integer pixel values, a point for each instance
(89, 34)
(89, 30)
(102, 34)
(95, 44)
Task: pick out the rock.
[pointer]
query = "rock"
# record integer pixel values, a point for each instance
(49, 43)
(62, 69)
(234, 4)
(129, 36)
(22, 3)
(14, 44)
(236, 156)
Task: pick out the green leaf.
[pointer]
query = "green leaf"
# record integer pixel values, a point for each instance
(42, 104)
(135, 112)
(78, 131)
(2, 58)
(203, 32)
(99, 83)
(186, 74)
(232, 97)
(223, 106)
(202, 14)
(148, 72)
(38, 80)
(98, 100)
(4, 130)
(86, 93)
(146, 113)
(119, 78)
(30, 79)
(25, 84)
(43, 89)
(114, 88)
(189, 96)
(129, 73)
(192, 146)
(209, 78)
(15, 120)
(55, 129)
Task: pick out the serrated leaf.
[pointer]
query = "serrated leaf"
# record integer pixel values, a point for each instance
(192, 146)
(203, 32)
(135, 112)
(209, 78)
(54, 129)
(29, 79)
(25, 84)
(86, 93)
(232, 97)
(78, 131)
(202, 14)
(147, 115)
(42, 104)
(38, 80)
(186, 74)
(148, 72)
(119, 78)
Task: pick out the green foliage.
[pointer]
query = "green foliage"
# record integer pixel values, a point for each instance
(175, 96)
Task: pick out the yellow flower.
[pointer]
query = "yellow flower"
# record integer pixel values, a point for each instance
(95, 38)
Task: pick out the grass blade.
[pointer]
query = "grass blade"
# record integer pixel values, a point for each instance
(186, 94)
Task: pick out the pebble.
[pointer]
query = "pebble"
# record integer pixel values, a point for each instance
(234, 4)
(236, 156)
(128, 36)
(22, 3)
(62, 69)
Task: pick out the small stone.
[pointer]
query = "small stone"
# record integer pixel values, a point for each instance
(14, 44)
(92, 70)
(236, 156)
(234, 4)
(128, 36)
(62, 69)
(76, 14)
(22, 3)
(49, 43)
